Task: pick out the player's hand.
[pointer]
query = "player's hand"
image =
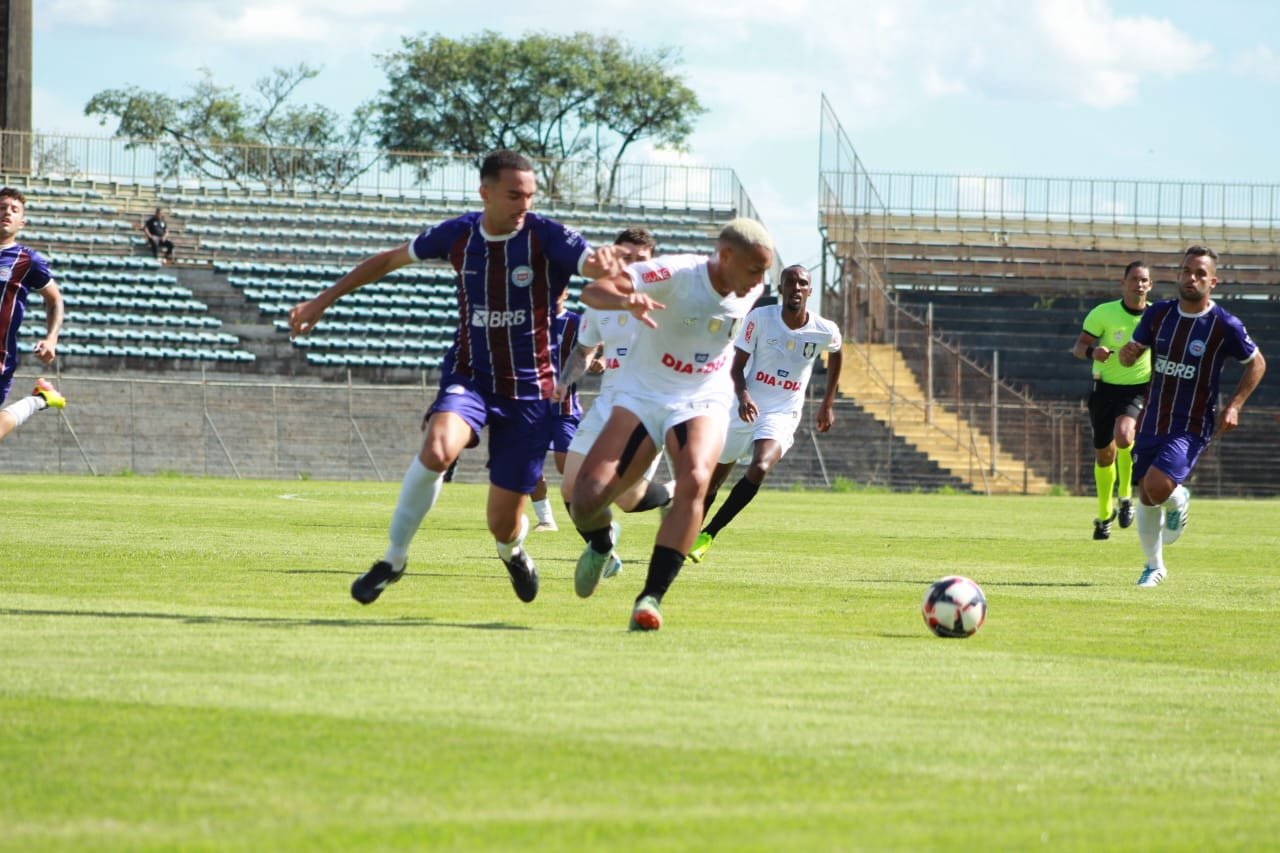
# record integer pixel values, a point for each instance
(826, 417)
(303, 317)
(596, 365)
(607, 260)
(561, 391)
(1101, 353)
(747, 409)
(640, 304)
(46, 351)
(1228, 420)
(1131, 352)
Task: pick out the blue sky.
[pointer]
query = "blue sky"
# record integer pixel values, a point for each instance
(1173, 90)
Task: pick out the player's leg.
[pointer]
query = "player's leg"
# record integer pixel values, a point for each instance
(519, 435)
(449, 428)
(44, 396)
(1159, 465)
(1102, 422)
(694, 446)
(702, 543)
(617, 459)
(765, 455)
(542, 508)
(1126, 426)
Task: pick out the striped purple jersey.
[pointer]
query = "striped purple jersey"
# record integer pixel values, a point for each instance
(21, 270)
(567, 325)
(1187, 354)
(507, 288)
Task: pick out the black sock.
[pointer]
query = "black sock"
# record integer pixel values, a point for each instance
(664, 565)
(743, 491)
(601, 541)
(654, 496)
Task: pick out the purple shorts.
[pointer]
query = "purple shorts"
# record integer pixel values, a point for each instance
(563, 429)
(6, 382)
(519, 430)
(1174, 453)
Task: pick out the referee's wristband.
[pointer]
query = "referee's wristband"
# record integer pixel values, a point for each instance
(1088, 351)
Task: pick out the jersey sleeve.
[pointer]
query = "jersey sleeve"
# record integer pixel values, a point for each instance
(752, 328)
(589, 329)
(837, 342)
(1093, 322)
(565, 247)
(1142, 334)
(656, 277)
(435, 243)
(38, 273)
(1239, 344)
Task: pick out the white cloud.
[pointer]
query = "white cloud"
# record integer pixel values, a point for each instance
(1258, 63)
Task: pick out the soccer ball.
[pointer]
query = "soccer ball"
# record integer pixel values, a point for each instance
(954, 607)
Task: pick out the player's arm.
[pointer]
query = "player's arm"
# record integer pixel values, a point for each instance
(747, 408)
(1087, 348)
(616, 292)
(304, 316)
(47, 349)
(1254, 369)
(827, 410)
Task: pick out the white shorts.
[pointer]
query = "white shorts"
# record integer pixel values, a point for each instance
(660, 414)
(593, 424)
(780, 426)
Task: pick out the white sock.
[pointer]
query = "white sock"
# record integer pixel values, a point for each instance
(542, 509)
(506, 549)
(1150, 523)
(418, 493)
(670, 486)
(24, 409)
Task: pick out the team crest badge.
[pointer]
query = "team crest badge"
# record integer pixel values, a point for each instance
(5, 273)
(1196, 348)
(810, 349)
(791, 345)
(522, 276)
(624, 319)
(715, 325)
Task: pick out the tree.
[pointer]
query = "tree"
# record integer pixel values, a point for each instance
(553, 98)
(215, 132)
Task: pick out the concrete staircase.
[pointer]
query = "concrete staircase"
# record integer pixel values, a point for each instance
(877, 378)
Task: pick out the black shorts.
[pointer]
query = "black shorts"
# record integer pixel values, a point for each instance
(1107, 403)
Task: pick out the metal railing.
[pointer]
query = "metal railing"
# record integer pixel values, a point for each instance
(1103, 206)
(164, 165)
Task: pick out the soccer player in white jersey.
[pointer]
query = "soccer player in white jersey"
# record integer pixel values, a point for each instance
(604, 339)
(772, 363)
(673, 390)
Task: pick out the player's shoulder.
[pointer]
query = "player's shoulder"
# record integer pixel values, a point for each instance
(17, 249)
(667, 268)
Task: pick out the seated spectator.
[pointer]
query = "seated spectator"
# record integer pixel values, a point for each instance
(157, 231)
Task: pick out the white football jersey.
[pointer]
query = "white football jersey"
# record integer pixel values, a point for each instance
(688, 355)
(781, 357)
(616, 330)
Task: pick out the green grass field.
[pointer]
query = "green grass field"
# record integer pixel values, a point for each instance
(181, 667)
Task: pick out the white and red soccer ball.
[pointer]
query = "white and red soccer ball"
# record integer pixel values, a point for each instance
(954, 607)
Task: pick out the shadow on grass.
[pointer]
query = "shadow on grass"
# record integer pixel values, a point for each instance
(269, 621)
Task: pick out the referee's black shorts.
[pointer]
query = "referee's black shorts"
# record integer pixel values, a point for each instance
(1109, 402)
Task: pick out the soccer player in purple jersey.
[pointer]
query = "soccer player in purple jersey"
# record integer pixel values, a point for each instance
(568, 414)
(512, 266)
(23, 270)
(1190, 338)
